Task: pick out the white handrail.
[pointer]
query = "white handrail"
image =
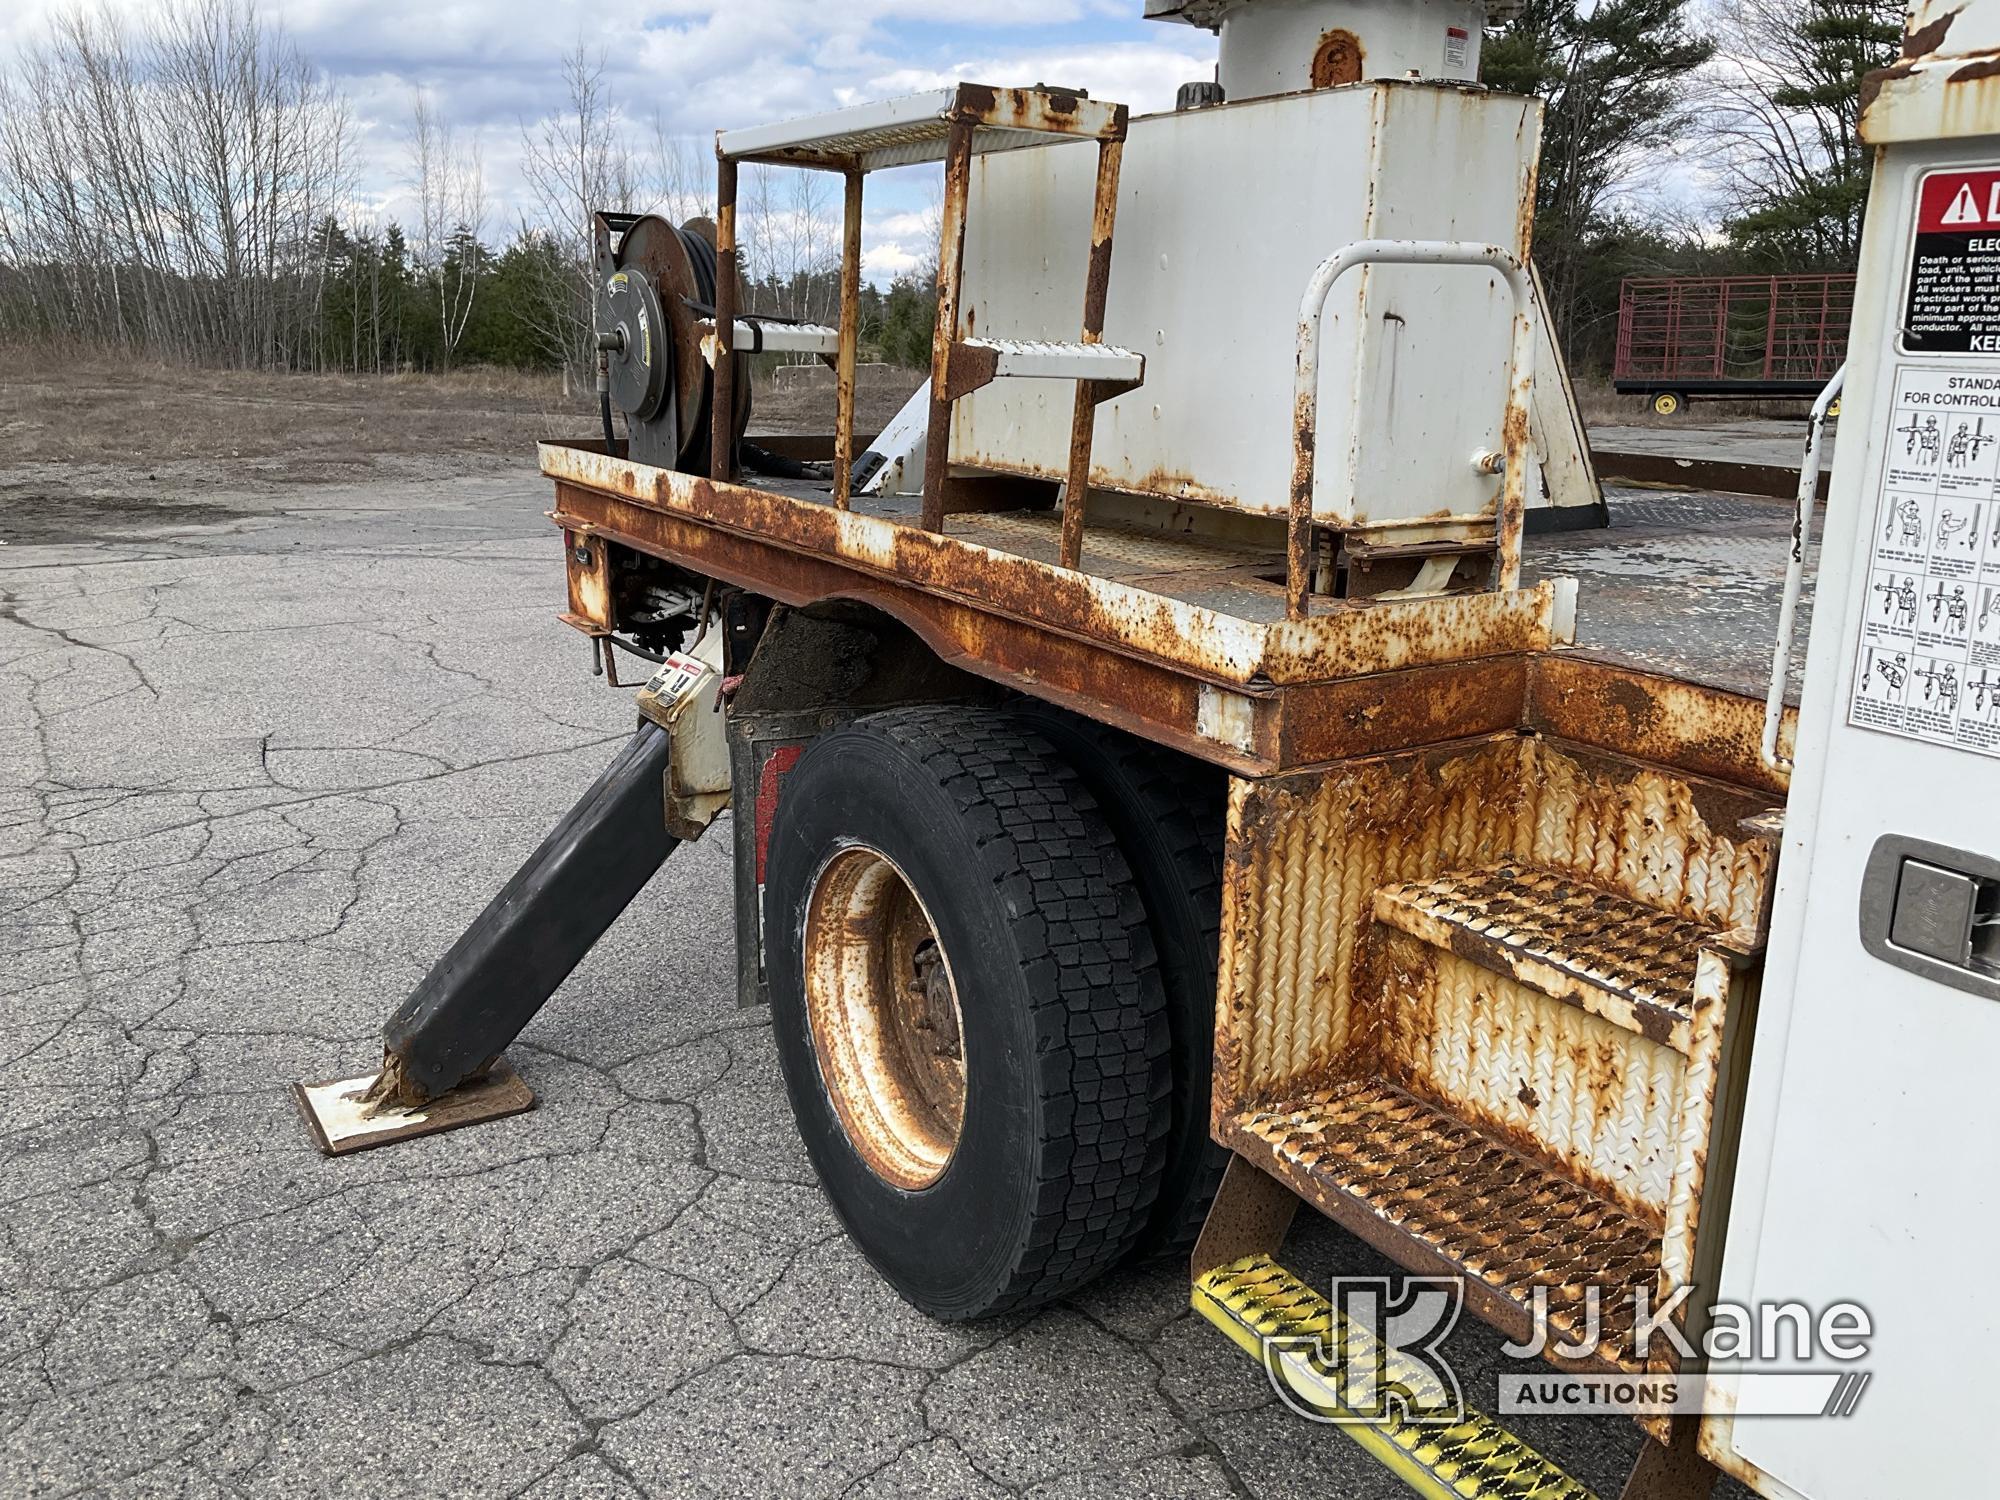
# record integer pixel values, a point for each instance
(1795, 572)
(1514, 426)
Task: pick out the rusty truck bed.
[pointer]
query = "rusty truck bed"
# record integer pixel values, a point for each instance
(1181, 639)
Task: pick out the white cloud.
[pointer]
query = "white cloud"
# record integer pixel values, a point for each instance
(692, 66)
(1144, 75)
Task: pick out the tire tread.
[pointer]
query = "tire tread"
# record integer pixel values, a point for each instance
(1102, 1070)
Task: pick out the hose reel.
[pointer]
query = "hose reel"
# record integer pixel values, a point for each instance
(655, 285)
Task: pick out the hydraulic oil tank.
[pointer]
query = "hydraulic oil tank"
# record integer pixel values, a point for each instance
(1224, 212)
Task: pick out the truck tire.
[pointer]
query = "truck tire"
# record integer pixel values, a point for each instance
(966, 1007)
(1169, 814)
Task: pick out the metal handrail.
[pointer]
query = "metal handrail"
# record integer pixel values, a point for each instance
(1305, 398)
(1795, 572)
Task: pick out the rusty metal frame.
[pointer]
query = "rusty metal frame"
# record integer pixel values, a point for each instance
(975, 112)
(850, 340)
(957, 370)
(1371, 1061)
(1253, 695)
(1256, 697)
(722, 441)
(1096, 292)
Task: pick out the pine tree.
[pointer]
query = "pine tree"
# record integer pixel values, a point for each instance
(1614, 80)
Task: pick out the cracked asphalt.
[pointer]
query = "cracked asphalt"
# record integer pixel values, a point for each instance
(262, 755)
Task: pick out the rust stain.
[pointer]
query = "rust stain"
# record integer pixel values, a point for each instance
(1682, 725)
(1337, 59)
(588, 565)
(1350, 1151)
(1056, 111)
(1097, 282)
(1343, 638)
(1972, 72)
(1426, 705)
(1096, 295)
(1874, 82)
(978, 98)
(1547, 1032)
(1929, 38)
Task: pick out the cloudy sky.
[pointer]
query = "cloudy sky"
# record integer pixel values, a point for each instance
(696, 66)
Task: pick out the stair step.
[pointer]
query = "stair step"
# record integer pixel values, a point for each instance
(1397, 1170)
(1034, 359)
(1257, 1302)
(754, 336)
(1630, 963)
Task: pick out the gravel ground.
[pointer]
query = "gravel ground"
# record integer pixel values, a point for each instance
(263, 753)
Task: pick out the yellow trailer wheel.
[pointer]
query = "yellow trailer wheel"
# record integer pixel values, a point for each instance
(1667, 403)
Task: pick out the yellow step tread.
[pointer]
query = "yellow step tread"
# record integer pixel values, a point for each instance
(1256, 1301)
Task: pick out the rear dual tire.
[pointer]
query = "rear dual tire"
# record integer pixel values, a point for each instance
(1043, 995)
(1169, 814)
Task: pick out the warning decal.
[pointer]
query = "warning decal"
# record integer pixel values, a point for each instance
(1953, 305)
(1928, 666)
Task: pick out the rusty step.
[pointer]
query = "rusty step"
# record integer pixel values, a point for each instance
(1445, 1198)
(1632, 964)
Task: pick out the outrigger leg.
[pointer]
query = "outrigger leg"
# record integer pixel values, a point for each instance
(441, 1062)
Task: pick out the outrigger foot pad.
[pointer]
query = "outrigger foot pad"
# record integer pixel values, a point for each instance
(348, 1115)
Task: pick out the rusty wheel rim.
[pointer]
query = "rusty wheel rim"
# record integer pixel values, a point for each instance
(883, 1010)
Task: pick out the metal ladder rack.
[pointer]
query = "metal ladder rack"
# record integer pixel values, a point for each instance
(951, 125)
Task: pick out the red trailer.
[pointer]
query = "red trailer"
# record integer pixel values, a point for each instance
(1730, 337)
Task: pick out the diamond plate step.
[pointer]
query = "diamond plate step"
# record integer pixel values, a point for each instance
(1265, 1309)
(1442, 1197)
(754, 336)
(1040, 359)
(1579, 943)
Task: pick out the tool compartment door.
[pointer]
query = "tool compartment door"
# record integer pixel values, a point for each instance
(1871, 1129)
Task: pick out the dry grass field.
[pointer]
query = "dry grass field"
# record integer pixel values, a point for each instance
(257, 427)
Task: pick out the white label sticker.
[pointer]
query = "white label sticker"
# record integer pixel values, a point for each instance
(1928, 666)
(1457, 43)
(676, 676)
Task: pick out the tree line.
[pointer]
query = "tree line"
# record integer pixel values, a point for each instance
(183, 187)
(1756, 101)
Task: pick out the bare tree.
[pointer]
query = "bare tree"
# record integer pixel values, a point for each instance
(679, 175)
(575, 162)
(170, 187)
(1781, 122)
(451, 216)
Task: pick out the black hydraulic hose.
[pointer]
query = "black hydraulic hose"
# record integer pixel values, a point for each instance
(776, 465)
(702, 259)
(701, 255)
(545, 919)
(610, 436)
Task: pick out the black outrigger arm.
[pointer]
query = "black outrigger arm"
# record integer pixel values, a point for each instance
(441, 1056)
